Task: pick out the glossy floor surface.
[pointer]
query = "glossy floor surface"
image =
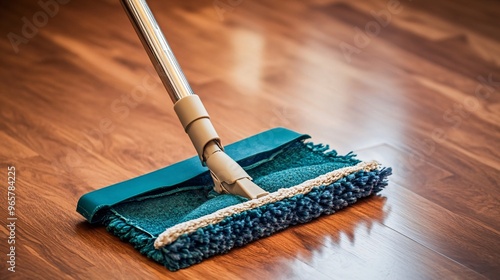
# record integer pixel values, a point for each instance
(413, 84)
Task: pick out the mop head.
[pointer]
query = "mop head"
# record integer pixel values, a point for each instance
(174, 217)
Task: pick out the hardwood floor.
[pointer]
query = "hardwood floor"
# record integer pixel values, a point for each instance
(413, 84)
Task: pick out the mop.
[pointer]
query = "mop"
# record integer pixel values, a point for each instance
(184, 213)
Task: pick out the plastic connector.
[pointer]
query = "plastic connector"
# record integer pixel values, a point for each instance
(228, 175)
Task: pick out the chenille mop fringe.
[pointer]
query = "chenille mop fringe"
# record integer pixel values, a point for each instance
(189, 242)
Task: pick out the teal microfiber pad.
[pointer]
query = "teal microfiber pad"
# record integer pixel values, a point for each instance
(173, 216)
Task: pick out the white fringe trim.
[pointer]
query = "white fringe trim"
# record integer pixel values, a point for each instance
(172, 233)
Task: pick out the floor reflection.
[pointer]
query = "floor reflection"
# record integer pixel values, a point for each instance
(330, 243)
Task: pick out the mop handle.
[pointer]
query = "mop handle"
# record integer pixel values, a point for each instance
(158, 49)
(227, 174)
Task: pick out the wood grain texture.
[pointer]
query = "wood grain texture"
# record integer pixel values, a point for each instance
(413, 84)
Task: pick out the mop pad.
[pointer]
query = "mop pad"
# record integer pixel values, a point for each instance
(174, 217)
